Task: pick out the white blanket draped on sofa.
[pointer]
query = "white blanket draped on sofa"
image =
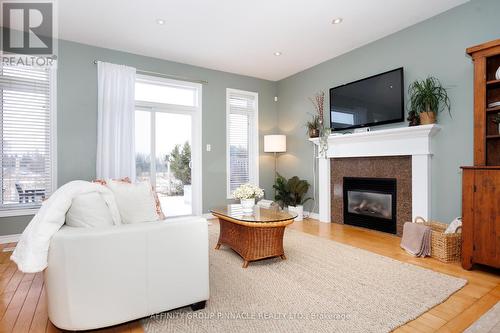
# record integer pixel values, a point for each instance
(32, 249)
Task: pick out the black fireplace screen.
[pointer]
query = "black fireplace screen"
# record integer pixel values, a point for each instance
(370, 203)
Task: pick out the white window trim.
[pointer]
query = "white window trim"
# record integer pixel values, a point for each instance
(196, 112)
(26, 211)
(254, 141)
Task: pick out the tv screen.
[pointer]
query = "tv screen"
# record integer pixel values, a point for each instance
(372, 101)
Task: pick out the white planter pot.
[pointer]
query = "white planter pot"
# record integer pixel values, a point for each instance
(187, 194)
(299, 210)
(247, 205)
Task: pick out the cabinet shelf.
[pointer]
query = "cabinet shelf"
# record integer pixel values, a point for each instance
(496, 136)
(492, 82)
(494, 109)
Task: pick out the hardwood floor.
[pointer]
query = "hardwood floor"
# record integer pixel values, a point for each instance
(23, 307)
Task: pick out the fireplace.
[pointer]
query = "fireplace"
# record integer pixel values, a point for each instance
(370, 203)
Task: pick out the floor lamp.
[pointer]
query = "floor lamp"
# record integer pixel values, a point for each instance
(275, 144)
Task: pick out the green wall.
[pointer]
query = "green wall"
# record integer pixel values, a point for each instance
(77, 118)
(434, 47)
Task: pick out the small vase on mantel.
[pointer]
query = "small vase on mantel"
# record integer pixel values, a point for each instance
(247, 205)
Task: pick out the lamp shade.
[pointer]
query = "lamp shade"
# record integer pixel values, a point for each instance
(274, 143)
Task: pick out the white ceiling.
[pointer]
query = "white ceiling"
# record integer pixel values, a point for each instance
(241, 36)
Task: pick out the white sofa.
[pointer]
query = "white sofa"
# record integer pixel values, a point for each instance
(98, 277)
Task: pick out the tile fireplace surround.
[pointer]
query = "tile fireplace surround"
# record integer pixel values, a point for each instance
(413, 142)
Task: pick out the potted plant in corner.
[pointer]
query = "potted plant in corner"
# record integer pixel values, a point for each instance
(247, 193)
(291, 193)
(298, 188)
(427, 98)
(282, 191)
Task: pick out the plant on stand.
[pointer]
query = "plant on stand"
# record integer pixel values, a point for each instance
(496, 120)
(427, 98)
(247, 193)
(290, 193)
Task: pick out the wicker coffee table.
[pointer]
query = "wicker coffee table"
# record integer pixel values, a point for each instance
(253, 237)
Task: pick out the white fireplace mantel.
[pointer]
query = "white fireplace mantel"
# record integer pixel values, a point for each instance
(405, 141)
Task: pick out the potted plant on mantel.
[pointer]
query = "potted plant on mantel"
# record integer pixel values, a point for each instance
(427, 98)
(313, 126)
(290, 193)
(318, 101)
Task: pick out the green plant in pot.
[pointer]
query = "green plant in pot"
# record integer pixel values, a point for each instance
(427, 98)
(291, 193)
(313, 126)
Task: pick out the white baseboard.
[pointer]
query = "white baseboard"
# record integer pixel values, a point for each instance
(9, 239)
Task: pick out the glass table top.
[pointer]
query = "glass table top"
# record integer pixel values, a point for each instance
(260, 215)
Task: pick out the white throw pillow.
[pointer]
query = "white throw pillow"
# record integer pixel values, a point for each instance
(135, 202)
(89, 210)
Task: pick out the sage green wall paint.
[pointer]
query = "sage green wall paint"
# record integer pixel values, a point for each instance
(433, 47)
(77, 118)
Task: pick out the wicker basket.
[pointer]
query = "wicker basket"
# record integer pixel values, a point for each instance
(444, 247)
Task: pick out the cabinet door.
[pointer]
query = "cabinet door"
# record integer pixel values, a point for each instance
(487, 217)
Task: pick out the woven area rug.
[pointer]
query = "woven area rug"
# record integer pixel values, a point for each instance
(323, 286)
(488, 323)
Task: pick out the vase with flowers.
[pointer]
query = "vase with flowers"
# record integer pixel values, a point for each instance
(247, 193)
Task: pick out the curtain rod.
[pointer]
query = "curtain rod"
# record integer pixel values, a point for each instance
(168, 76)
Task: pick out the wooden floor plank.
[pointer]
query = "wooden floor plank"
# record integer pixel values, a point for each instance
(10, 316)
(40, 318)
(471, 314)
(27, 312)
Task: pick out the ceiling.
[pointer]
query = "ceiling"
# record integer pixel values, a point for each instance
(241, 36)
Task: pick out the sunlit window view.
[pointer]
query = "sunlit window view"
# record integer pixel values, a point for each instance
(25, 133)
(163, 143)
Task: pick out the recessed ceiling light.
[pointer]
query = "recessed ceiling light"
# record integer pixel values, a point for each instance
(160, 21)
(277, 53)
(337, 20)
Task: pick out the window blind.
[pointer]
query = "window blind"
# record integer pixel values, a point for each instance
(241, 115)
(26, 136)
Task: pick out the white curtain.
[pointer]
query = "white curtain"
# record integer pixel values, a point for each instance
(115, 121)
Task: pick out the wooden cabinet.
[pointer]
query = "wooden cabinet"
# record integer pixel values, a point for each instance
(481, 216)
(481, 183)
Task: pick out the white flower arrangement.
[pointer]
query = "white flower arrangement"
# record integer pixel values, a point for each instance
(248, 191)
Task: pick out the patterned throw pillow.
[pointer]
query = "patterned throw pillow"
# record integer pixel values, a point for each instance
(159, 212)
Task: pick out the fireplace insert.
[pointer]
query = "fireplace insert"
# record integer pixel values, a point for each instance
(370, 203)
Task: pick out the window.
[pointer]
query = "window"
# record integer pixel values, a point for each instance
(242, 118)
(27, 135)
(168, 142)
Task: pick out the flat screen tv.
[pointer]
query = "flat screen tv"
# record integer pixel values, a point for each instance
(375, 100)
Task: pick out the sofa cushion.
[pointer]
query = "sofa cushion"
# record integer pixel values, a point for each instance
(159, 211)
(89, 210)
(136, 202)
